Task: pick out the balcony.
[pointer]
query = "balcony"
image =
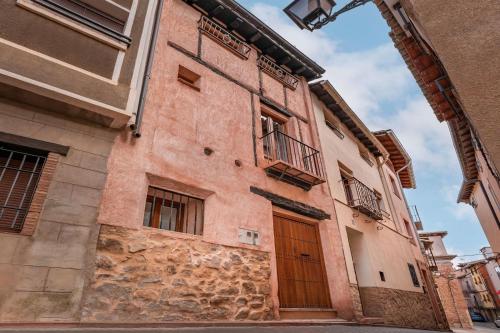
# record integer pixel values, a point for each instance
(429, 255)
(362, 198)
(292, 161)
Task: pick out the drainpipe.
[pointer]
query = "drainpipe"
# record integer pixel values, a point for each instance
(388, 193)
(136, 126)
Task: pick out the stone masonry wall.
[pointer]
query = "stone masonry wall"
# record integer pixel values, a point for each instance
(42, 269)
(148, 275)
(398, 307)
(356, 299)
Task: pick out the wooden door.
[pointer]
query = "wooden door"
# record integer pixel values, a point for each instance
(301, 274)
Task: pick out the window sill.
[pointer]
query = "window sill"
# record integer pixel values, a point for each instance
(173, 234)
(71, 24)
(189, 84)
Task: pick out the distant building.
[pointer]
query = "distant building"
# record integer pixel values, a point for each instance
(491, 273)
(461, 86)
(448, 287)
(476, 286)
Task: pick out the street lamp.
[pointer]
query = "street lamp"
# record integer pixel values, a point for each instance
(314, 14)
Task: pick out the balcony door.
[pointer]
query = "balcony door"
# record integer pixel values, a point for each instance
(274, 137)
(302, 279)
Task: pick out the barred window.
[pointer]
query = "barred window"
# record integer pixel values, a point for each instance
(172, 211)
(413, 275)
(20, 170)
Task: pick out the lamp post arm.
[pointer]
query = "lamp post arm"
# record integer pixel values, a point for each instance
(332, 17)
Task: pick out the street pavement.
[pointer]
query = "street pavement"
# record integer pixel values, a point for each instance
(479, 328)
(249, 329)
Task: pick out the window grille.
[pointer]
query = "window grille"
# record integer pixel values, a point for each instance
(20, 171)
(224, 37)
(413, 274)
(172, 211)
(92, 17)
(278, 72)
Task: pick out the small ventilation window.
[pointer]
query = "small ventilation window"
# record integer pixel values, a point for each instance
(335, 128)
(189, 78)
(382, 276)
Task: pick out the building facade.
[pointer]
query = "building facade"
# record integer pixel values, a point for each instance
(169, 161)
(385, 265)
(69, 76)
(220, 210)
(448, 285)
(426, 40)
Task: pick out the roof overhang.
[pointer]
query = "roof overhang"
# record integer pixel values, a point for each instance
(433, 233)
(398, 156)
(464, 146)
(255, 32)
(327, 94)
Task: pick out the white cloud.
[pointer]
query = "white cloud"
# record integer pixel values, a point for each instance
(462, 212)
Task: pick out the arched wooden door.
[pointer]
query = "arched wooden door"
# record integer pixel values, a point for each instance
(301, 272)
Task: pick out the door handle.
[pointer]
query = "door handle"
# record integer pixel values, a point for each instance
(305, 254)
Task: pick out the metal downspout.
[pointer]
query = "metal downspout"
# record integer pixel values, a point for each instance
(136, 126)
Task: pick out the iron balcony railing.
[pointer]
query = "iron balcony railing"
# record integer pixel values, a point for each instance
(431, 260)
(301, 162)
(363, 198)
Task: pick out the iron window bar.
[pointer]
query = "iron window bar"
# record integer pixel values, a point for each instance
(60, 9)
(179, 207)
(278, 72)
(280, 146)
(361, 197)
(19, 176)
(224, 37)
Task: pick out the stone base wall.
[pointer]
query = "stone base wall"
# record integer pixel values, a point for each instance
(398, 307)
(356, 300)
(148, 275)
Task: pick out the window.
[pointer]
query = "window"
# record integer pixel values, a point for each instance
(173, 211)
(365, 155)
(88, 15)
(272, 127)
(493, 194)
(413, 275)
(497, 269)
(382, 276)
(395, 187)
(409, 231)
(334, 127)
(189, 78)
(346, 176)
(380, 200)
(20, 170)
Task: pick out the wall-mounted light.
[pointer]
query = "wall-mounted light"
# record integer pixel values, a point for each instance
(314, 14)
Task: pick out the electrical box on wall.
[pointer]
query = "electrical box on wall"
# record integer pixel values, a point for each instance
(249, 236)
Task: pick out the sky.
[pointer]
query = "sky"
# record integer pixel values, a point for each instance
(363, 65)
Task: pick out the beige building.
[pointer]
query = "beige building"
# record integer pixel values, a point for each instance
(366, 174)
(448, 285)
(451, 49)
(70, 73)
(475, 289)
